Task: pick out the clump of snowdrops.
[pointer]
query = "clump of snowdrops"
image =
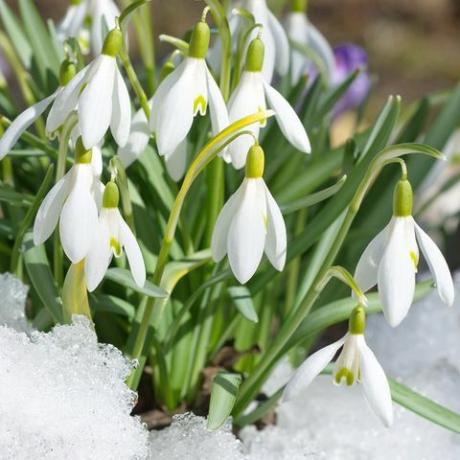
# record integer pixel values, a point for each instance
(198, 208)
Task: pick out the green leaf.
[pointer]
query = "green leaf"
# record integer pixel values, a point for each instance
(424, 407)
(112, 304)
(223, 396)
(124, 277)
(260, 411)
(41, 278)
(124, 16)
(16, 35)
(241, 297)
(10, 196)
(178, 43)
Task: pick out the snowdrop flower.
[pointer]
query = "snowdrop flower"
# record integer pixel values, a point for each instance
(391, 259)
(250, 223)
(303, 32)
(112, 235)
(100, 95)
(356, 363)
(101, 14)
(253, 94)
(23, 121)
(184, 93)
(73, 202)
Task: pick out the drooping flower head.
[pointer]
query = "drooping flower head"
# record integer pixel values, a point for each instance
(356, 363)
(250, 223)
(184, 93)
(253, 94)
(391, 260)
(73, 201)
(100, 96)
(112, 236)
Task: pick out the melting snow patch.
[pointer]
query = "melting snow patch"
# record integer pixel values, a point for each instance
(13, 294)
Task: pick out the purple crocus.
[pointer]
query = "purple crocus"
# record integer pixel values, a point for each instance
(348, 58)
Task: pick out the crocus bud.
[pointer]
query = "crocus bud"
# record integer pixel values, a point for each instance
(111, 196)
(255, 55)
(82, 154)
(67, 71)
(113, 43)
(255, 162)
(199, 43)
(402, 199)
(357, 321)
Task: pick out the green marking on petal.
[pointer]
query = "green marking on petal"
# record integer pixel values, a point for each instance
(414, 257)
(344, 374)
(199, 105)
(116, 247)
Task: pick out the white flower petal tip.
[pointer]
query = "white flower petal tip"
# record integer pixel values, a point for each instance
(249, 224)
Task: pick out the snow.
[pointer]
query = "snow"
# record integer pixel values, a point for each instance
(13, 294)
(63, 396)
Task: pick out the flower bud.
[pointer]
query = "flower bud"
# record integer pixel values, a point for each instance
(255, 56)
(299, 6)
(167, 68)
(82, 154)
(67, 71)
(111, 195)
(113, 43)
(402, 199)
(357, 321)
(75, 2)
(255, 162)
(199, 43)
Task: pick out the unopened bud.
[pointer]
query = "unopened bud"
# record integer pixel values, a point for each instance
(255, 162)
(255, 55)
(167, 69)
(67, 71)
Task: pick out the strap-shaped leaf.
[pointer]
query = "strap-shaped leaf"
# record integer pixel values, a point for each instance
(241, 297)
(223, 396)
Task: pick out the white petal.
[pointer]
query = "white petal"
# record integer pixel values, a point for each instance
(175, 111)
(322, 47)
(217, 107)
(137, 141)
(310, 369)
(296, 27)
(375, 385)
(103, 16)
(275, 245)
(50, 209)
(287, 119)
(281, 44)
(96, 161)
(79, 216)
(22, 122)
(133, 253)
(100, 254)
(247, 233)
(438, 266)
(396, 275)
(368, 264)
(121, 111)
(67, 100)
(72, 22)
(176, 162)
(220, 233)
(247, 99)
(95, 103)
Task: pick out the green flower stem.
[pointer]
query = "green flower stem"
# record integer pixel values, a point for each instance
(251, 386)
(206, 155)
(135, 83)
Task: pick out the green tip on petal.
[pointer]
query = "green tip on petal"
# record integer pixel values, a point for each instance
(344, 374)
(67, 71)
(402, 199)
(113, 43)
(299, 6)
(111, 196)
(255, 55)
(199, 43)
(357, 321)
(82, 154)
(255, 162)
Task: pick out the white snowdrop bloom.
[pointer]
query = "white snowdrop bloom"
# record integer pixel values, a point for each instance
(253, 94)
(112, 236)
(184, 93)
(300, 30)
(99, 94)
(73, 202)
(23, 121)
(356, 363)
(100, 14)
(250, 223)
(276, 41)
(391, 259)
